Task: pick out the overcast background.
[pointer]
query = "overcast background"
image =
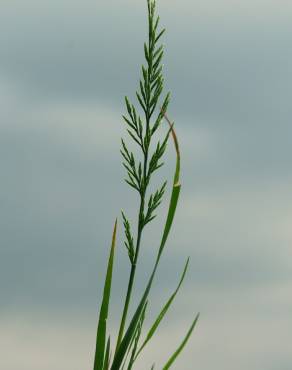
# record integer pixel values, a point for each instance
(64, 69)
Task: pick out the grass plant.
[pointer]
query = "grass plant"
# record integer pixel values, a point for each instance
(142, 126)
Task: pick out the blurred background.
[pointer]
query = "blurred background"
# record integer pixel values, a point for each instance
(65, 67)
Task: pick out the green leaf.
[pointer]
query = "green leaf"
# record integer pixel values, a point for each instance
(101, 330)
(180, 348)
(159, 50)
(107, 355)
(129, 109)
(161, 113)
(137, 337)
(146, 52)
(129, 336)
(159, 35)
(134, 138)
(163, 311)
(141, 102)
(129, 123)
(177, 171)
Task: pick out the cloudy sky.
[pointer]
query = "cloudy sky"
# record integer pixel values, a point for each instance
(65, 67)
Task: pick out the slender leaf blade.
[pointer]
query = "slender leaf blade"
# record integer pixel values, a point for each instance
(163, 311)
(137, 338)
(182, 345)
(107, 355)
(170, 216)
(101, 329)
(175, 190)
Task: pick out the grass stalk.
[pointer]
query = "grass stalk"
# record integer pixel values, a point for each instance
(143, 132)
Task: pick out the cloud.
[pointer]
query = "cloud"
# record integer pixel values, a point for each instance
(232, 325)
(218, 69)
(64, 71)
(63, 171)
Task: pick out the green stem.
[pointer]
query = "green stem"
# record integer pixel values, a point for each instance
(129, 292)
(143, 193)
(134, 264)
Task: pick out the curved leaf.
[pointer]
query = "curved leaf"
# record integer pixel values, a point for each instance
(163, 311)
(180, 348)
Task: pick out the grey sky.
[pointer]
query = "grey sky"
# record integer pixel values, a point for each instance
(64, 69)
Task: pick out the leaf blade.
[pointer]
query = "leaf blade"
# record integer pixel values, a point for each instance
(182, 345)
(163, 311)
(107, 355)
(101, 329)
